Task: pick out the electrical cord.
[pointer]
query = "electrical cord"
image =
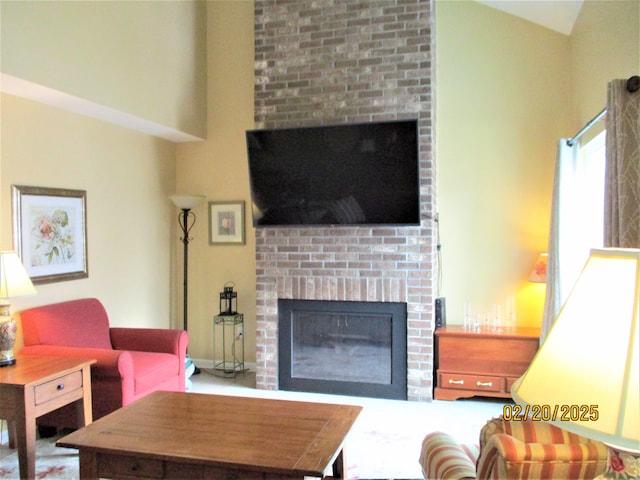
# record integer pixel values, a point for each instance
(436, 219)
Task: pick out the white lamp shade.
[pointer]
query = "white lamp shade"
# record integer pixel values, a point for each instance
(187, 201)
(588, 363)
(14, 279)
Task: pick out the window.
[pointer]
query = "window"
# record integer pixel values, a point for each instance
(582, 217)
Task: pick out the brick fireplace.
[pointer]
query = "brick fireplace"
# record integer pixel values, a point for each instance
(328, 62)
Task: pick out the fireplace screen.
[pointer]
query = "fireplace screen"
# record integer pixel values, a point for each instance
(355, 348)
(358, 346)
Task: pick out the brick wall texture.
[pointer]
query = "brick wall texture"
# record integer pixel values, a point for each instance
(323, 62)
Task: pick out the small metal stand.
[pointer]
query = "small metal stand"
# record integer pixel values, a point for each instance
(232, 329)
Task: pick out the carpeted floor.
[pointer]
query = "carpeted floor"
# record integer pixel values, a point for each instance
(51, 462)
(384, 443)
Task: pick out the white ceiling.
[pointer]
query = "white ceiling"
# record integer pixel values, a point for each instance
(558, 15)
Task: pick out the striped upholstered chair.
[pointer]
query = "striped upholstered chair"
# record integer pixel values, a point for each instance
(514, 450)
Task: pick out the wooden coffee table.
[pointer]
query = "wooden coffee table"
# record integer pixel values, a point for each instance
(191, 435)
(36, 385)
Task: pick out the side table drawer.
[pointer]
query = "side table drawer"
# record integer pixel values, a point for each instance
(471, 382)
(55, 388)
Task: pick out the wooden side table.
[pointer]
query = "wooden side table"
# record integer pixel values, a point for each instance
(36, 385)
(484, 363)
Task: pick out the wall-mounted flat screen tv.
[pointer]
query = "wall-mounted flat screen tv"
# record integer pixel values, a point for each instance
(351, 174)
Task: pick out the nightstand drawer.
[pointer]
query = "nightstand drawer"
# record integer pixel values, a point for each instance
(471, 382)
(55, 388)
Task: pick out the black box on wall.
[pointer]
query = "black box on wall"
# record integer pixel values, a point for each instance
(441, 313)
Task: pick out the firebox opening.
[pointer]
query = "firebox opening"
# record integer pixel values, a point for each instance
(343, 347)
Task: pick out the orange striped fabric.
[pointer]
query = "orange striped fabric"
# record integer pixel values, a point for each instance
(443, 457)
(535, 450)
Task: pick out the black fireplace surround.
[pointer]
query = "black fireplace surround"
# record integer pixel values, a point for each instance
(343, 347)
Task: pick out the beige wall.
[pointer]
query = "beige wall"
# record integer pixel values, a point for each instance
(144, 58)
(127, 177)
(218, 169)
(506, 91)
(502, 101)
(140, 58)
(605, 44)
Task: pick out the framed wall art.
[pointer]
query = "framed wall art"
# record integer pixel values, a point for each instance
(226, 223)
(50, 232)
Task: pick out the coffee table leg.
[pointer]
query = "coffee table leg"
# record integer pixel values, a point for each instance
(340, 466)
(12, 433)
(88, 464)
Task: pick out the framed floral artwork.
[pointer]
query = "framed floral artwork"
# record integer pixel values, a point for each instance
(226, 223)
(50, 232)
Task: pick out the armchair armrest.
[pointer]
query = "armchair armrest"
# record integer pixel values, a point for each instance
(504, 456)
(159, 340)
(443, 457)
(109, 363)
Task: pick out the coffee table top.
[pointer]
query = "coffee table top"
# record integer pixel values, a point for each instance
(236, 432)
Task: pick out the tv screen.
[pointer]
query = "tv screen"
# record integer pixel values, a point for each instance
(352, 174)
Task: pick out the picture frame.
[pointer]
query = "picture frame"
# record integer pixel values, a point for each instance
(226, 223)
(50, 232)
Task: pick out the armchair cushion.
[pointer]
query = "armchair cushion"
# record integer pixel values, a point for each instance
(131, 362)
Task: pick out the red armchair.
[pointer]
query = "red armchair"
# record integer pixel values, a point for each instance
(131, 362)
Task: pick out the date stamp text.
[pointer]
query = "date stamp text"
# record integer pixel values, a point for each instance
(551, 413)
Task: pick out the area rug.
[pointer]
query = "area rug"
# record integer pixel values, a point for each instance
(51, 462)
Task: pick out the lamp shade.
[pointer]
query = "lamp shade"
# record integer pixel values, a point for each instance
(14, 279)
(586, 374)
(187, 202)
(539, 272)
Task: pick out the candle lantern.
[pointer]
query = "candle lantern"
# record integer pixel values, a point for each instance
(228, 300)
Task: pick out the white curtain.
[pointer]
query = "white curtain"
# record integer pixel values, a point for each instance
(576, 220)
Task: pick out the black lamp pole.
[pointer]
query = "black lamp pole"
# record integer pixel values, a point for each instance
(186, 219)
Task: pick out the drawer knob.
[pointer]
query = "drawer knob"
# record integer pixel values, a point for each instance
(456, 382)
(484, 384)
(60, 387)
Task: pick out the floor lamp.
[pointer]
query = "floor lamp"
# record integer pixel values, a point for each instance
(186, 220)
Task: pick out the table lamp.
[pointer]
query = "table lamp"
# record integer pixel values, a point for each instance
(14, 282)
(539, 272)
(586, 373)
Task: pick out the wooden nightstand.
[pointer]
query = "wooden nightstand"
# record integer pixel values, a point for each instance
(36, 385)
(484, 363)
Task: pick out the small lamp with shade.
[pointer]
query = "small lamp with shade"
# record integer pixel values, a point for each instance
(14, 282)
